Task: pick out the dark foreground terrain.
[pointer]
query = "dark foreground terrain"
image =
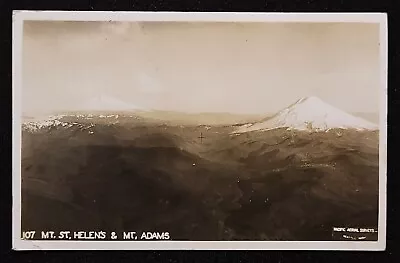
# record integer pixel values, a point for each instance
(137, 176)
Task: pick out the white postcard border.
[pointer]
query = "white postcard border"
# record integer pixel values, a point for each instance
(17, 38)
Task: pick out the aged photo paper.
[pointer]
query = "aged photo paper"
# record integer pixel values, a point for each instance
(169, 130)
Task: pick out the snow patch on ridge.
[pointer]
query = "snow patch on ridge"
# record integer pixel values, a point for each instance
(44, 122)
(95, 107)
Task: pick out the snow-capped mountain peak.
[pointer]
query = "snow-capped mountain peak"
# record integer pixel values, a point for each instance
(310, 113)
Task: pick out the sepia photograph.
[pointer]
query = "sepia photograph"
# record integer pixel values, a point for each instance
(228, 131)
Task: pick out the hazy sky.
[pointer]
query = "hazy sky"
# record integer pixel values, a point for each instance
(201, 67)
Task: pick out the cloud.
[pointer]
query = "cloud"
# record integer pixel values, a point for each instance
(126, 30)
(118, 28)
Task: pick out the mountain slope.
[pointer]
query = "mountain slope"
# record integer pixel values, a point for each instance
(275, 185)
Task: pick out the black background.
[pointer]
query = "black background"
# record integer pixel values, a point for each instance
(393, 244)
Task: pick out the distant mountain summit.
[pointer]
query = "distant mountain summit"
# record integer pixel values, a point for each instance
(310, 113)
(106, 103)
